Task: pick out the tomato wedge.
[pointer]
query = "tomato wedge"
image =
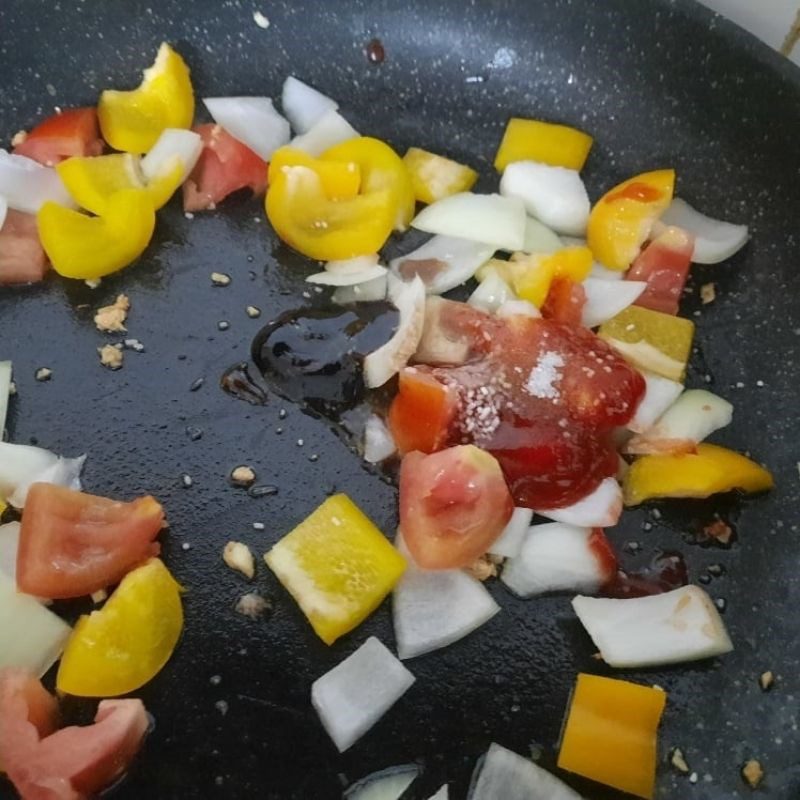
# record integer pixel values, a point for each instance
(453, 505)
(22, 257)
(73, 132)
(565, 301)
(225, 166)
(72, 763)
(72, 544)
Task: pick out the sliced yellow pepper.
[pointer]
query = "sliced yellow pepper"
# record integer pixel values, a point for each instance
(340, 180)
(651, 340)
(621, 220)
(326, 229)
(435, 177)
(126, 643)
(84, 247)
(531, 275)
(337, 565)
(611, 733)
(92, 180)
(132, 121)
(546, 142)
(711, 470)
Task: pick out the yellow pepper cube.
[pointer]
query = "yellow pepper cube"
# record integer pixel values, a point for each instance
(711, 470)
(531, 275)
(610, 734)
(435, 177)
(651, 340)
(546, 142)
(337, 565)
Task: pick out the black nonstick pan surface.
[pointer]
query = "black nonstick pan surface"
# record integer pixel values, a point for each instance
(658, 84)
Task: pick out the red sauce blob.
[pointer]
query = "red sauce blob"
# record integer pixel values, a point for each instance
(666, 572)
(376, 53)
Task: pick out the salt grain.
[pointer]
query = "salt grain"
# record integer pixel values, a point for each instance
(544, 377)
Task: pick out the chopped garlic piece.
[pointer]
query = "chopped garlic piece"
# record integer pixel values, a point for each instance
(252, 605)
(110, 356)
(238, 556)
(112, 318)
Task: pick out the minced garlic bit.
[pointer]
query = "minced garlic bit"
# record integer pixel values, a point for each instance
(112, 318)
(253, 312)
(252, 605)
(220, 279)
(43, 374)
(765, 680)
(483, 569)
(99, 596)
(237, 556)
(260, 20)
(93, 283)
(243, 475)
(708, 293)
(18, 138)
(678, 761)
(110, 356)
(753, 773)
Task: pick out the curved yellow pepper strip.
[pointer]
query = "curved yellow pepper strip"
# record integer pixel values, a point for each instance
(435, 177)
(132, 121)
(340, 180)
(711, 470)
(126, 643)
(621, 220)
(84, 247)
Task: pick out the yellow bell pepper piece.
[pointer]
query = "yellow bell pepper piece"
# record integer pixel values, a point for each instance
(611, 733)
(92, 180)
(132, 121)
(546, 142)
(85, 247)
(711, 470)
(327, 229)
(436, 177)
(651, 340)
(531, 275)
(621, 220)
(340, 180)
(126, 643)
(337, 565)
(3, 506)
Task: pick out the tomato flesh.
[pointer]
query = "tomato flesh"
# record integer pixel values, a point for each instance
(565, 301)
(453, 505)
(22, 257)
(225, 166)
(72, 544)
(421, 413)
(664, 265)
(73, 132)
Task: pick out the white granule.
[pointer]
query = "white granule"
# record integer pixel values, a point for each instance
(544, 376)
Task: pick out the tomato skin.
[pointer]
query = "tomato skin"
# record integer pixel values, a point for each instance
(71, 763)
(225, 166)
(72, 544)
(565, 301)
(73, 132)
(664, 264)
(22, 257)
(453, 505)
(421, 413)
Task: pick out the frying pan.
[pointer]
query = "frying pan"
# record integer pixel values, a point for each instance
(657, 84)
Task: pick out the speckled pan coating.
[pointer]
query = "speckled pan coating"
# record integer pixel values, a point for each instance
(658, 84)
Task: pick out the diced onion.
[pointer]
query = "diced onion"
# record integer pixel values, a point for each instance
(378, 441)
(599, 509)
(253, 121)
(31, 637)
(361, 292)
(694, 416)
(646, 357)
(434, 608)
(356, 693)
(26, 185)
(487, 218)
(555, 558)
(659, 394)
(714, 241)
(503, 775)
(602, 273)
(22, 465)
(606, 298)
(387, 360)
(330, 129)
(670, 628)
(518, 308)
(329, 278)
(5, 393)
(539, 238)
(3, 211)
(303, 105)
(388, 784)
(9, 544)
(348, 265)
(462, 258)
(491, 293)
(442, 794)
(555, 196)
(509, 543)
(174, 145)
